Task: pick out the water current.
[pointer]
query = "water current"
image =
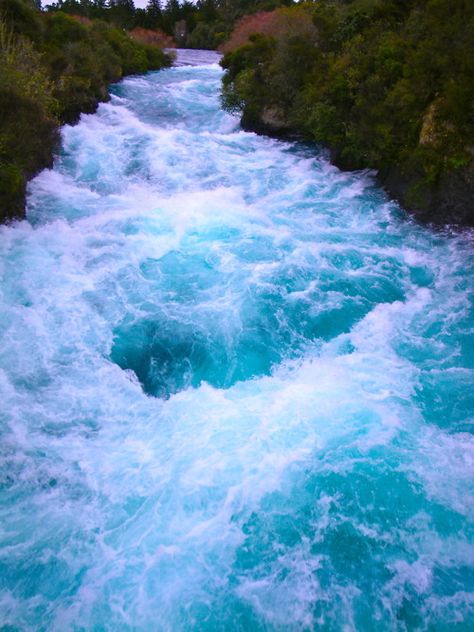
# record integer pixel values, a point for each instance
(236, 385)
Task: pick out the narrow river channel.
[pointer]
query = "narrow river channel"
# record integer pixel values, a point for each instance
(237, 385)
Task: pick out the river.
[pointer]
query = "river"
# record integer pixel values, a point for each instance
(237, 385)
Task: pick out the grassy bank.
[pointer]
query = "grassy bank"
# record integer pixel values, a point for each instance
(52, 68)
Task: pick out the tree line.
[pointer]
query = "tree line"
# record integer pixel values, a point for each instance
(208, 23)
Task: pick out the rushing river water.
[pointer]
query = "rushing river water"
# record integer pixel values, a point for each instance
(236, 385)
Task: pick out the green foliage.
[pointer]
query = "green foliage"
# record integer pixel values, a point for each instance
(208, 22)
(386, 84)
(258, 73)
(84, 58)
(22, 71)
(207, 36)
(243, 84)
(156, 58)
(22, 18)
(28, 122)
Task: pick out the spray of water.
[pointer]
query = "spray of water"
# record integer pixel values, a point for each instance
(236, 385)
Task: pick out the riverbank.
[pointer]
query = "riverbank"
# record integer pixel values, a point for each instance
(385, 86)
(53, 67)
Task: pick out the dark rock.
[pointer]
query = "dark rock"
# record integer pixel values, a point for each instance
(448, 201)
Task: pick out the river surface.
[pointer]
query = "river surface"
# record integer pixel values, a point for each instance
(237, 385)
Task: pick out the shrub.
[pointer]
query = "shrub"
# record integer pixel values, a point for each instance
(149, 37)
(28, 123)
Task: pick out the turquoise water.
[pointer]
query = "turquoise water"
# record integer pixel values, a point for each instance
(236, 384)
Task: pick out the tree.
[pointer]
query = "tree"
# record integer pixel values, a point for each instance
(153, 15)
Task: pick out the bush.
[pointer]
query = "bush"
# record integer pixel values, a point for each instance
(267, 72)
(155, 38)
(207, 36)
(28, 121)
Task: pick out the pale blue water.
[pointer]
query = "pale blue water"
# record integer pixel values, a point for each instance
(236, 385)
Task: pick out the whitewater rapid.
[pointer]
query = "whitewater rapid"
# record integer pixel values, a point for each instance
(236, 385)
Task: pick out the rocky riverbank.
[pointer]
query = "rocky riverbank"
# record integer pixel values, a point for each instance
(386, 86)
(448, 201)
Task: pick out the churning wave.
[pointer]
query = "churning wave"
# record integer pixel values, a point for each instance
(236, 384)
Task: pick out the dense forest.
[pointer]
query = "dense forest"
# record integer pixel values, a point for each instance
(200, 24)
(384, 84)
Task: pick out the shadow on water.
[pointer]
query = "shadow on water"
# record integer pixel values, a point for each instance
(168, 357)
